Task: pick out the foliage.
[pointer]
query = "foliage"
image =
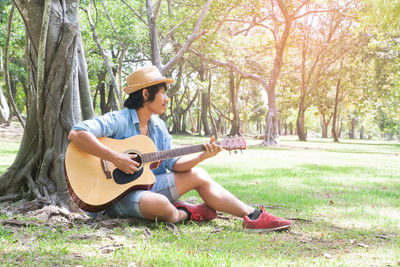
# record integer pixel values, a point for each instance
(16, 53)
(239, 32)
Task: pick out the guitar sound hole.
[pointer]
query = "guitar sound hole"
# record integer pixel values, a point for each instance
(122, 178)
(138, 159)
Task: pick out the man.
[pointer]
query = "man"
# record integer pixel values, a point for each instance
(174, 177)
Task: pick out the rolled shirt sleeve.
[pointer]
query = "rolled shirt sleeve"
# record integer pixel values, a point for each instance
(106, 125)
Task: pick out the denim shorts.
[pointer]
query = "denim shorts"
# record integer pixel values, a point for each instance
(128, 206)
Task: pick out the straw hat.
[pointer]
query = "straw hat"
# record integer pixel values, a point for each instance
(143, 78)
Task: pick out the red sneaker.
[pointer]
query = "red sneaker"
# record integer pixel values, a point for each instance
(200, 212)
(266, 222)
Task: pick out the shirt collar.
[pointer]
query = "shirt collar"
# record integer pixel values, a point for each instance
(134, 116)
(152, 122)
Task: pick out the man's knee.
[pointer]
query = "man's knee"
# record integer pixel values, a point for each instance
(153, 205)
(201, 175)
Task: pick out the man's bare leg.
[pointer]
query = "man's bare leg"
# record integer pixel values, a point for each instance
(156, 206)
(213, 194)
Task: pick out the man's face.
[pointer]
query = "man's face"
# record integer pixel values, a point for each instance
(159, 104)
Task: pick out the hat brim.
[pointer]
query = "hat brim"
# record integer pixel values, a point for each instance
(133, 88)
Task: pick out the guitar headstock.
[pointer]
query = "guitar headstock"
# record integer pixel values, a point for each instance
(234, 143)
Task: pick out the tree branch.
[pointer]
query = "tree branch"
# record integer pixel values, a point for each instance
(135, 12)
(180, 24)
(191, 39)
(221, 113)
(157, 9)
(315, 11)
(234, 68)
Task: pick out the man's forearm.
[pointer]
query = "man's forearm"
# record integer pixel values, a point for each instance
(90, 144)
(187, 162)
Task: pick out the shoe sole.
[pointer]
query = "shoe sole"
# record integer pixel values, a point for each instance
(265, 229)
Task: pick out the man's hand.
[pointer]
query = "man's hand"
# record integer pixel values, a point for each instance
(212, 149)
(126, 163)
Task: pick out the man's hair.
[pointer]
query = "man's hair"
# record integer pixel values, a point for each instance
(136, 100)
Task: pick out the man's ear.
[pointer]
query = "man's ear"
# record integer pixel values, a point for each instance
(145, 94)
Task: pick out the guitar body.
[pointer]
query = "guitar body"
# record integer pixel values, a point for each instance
(95, 184)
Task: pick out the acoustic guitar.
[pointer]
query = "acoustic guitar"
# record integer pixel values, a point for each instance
(95, 184)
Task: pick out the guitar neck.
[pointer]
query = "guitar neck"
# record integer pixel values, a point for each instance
(172, 153)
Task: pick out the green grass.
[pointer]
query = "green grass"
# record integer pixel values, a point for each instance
(344, 199)
(8, 151)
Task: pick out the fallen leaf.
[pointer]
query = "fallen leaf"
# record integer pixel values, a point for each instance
(363, 245)
(216, 230)
(327, 255)
(147, 233)
(305, 239)
(110, 248)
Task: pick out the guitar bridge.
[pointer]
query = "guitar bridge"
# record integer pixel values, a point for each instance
(105, 168)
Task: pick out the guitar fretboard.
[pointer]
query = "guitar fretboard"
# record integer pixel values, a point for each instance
(172, 153)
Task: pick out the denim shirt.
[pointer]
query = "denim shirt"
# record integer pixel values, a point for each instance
(123, 124)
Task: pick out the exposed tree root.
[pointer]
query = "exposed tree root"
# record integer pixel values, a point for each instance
(10, 197)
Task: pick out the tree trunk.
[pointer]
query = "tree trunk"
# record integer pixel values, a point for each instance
(352, 132)
(301, 131)
(335, 113)
(325, 124)
(213, 123)
(271, 121)
(271, 126)
(204, 109)
(233, 89)
(362, 132)
(285, 127)
(60, 79)
(4, 108)
(101, 89)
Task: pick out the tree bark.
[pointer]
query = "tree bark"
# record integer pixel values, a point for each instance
(301, 131)
(213, 123)
(233, 89)
(59, 80)
(335, 113)
(362, 132)
(4, 109)
(352, 132)
(204, 111)
(325, 123)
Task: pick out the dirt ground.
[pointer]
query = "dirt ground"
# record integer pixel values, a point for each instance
(12, 132)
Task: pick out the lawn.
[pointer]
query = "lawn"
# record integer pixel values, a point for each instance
(344, 200)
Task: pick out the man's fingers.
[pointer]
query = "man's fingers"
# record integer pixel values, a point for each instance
(133, 157)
